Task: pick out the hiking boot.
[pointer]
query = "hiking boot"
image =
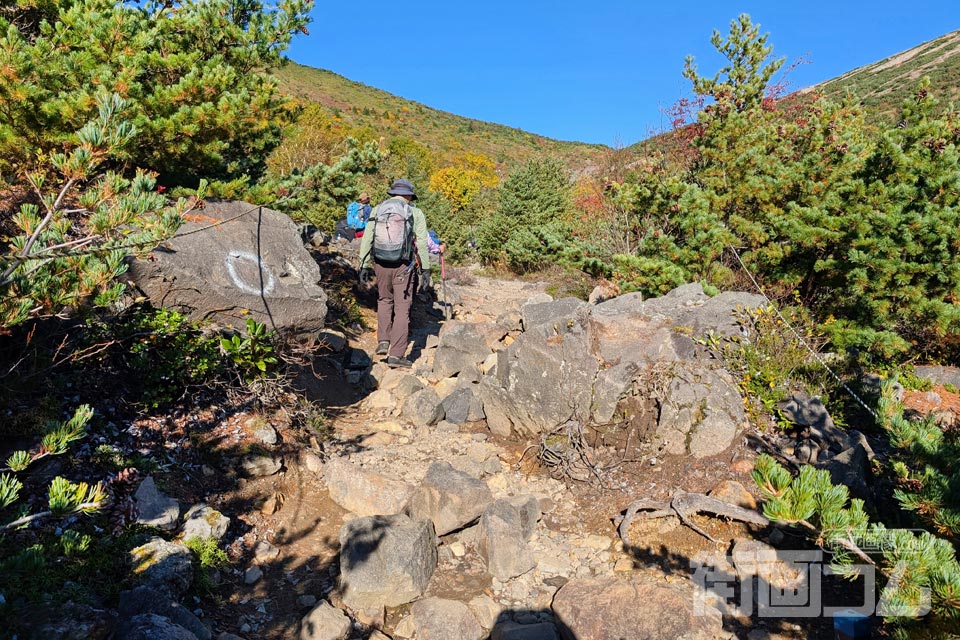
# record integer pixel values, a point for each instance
(383, 347)
(399, 362)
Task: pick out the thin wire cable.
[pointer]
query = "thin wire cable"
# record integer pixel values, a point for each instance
(816, 355)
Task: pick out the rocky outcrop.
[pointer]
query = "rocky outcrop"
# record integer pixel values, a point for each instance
(701, 412)
(578, 361)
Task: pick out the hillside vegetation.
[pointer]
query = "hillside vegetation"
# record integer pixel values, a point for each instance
(359, 105)
(881, 87)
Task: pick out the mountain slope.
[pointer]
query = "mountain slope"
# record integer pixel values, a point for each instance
(392, 116)
(883, 86)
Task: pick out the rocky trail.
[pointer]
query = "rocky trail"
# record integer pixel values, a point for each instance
(479, 494)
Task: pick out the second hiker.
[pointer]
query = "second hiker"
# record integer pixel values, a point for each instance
(395, 243)
(358, 213)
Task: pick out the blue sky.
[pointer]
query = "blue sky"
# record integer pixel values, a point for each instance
(591, 71)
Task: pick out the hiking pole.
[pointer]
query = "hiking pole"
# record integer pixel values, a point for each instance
(443, 288)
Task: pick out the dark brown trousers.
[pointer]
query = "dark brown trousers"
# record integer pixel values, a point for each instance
(395, 289)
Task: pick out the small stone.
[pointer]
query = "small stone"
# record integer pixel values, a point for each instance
(252, 575)
(272, 504)
(405, 628)
(307, 600)
(325, 622)
(260, 466)
(266, 434)
(593, 541)
(156, 508)
(485, 610)
(378, 439)
(775, 537)
(311, 462)
(445, 426)
(372, 617)
(458, 549)
(201, 521)
(742, 466)
(734, 493)
(263, 551)
(389, 426)
(208, 471)
(623, 565)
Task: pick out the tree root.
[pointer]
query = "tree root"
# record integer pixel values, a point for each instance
(683, 505)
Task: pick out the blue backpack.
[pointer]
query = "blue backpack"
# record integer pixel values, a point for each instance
(353, 215)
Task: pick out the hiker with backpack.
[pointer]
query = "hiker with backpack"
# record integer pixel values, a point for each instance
(358, 212)
(395, 243)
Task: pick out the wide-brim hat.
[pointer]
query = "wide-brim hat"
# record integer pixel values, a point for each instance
(402, 187)
(364, 197)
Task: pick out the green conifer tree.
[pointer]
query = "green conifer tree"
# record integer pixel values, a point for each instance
(192, 73)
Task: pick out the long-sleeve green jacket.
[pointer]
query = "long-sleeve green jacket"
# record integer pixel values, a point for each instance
(419, 232)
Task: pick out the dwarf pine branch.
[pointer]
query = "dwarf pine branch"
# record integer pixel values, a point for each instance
(920, 568)
(928, 476)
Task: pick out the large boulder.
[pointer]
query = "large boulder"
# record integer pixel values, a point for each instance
(549, 313)
(450, 498)
(385, 560)
(362, 491)
(542, 379)
(623, 331)
(462, 346)
(251, 264)
(640, 609)
(503, 541)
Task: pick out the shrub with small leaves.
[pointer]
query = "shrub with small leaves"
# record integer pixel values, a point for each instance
(159, 350)
(207, 558)
(252, 354)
